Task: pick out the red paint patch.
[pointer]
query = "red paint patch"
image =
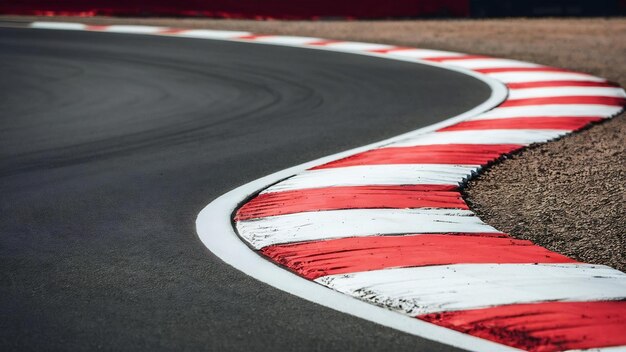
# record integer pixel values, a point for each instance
(459, 154)
(599, 100)
(530, 123)
(324, 42)
(172, 31)
(347, 255)
(96, 28)
(253, 36)
(389, 50)
(357, 197)
(546, 84)
(545, 327)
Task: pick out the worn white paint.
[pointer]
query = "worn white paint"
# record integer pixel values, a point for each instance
(421, 53)
(555, 110)
(521, 137)
(566, 92)
(476, 64)
(320, 225)
(430, 289)
(412, 174)
(286, 40)
(523, 77)
(209, 34)
(357, 46)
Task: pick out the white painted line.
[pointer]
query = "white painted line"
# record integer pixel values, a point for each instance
(475, 64)
(356, 46)
(210, 34)
(59, 25)
(566, 92)
(133, 29)
(365, 175)
(319, 225)
(287, 40)
(422, 53)
(521, 137)
(431, 289)
(555, 110)
(524, 77)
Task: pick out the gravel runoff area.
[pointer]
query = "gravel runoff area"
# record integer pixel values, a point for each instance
(568, 195)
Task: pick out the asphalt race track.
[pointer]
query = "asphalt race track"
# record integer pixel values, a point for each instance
(110, 145)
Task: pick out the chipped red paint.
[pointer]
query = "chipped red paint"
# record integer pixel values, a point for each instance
(173, 31)
(389, 50)
(355, 197)
(459, 154)
(599, 100)
(253, 36)
(542, 327)
(324, 42)
(540, 123)
(547, 84)
(346, 255)
(96, 28)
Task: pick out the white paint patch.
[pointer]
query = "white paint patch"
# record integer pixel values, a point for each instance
(476, 64)
(422, 53)
(554, 110)
(521, 137)
(133, 29)
(356, 223)
(367, 175)
(525, 77)
(565, 92)
(286, 40)
(423, 290)
(59, 25)
(356, 46)
(210, 34)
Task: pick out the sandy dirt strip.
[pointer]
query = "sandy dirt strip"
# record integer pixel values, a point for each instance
(568, 195)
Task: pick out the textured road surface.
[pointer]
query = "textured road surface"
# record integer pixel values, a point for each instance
(111, 144)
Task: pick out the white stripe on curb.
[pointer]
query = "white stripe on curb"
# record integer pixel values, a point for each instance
(423, 290)
(430, 174)
(356, 223)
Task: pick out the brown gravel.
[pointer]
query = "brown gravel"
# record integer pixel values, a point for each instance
(568, 195)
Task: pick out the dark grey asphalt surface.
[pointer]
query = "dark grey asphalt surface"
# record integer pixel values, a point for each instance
(110, 145)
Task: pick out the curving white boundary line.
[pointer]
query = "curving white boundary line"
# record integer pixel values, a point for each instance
(216, 230)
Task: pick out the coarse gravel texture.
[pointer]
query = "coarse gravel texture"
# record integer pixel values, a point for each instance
(568, 195)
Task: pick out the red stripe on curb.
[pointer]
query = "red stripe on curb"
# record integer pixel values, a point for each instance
(356, 197)
(598, 100)
(545, 327)
(172, 31)
(389, 50)
(253, 36)
(546, 84)
(324, 42)
(459, 154)
(528, 123)
(346, 255)
(522, 69)
(457, 58)
(96, 28)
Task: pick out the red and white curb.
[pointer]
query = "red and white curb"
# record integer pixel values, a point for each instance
(386, 223)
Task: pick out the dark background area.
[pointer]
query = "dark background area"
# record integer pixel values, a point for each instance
(316, 9)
